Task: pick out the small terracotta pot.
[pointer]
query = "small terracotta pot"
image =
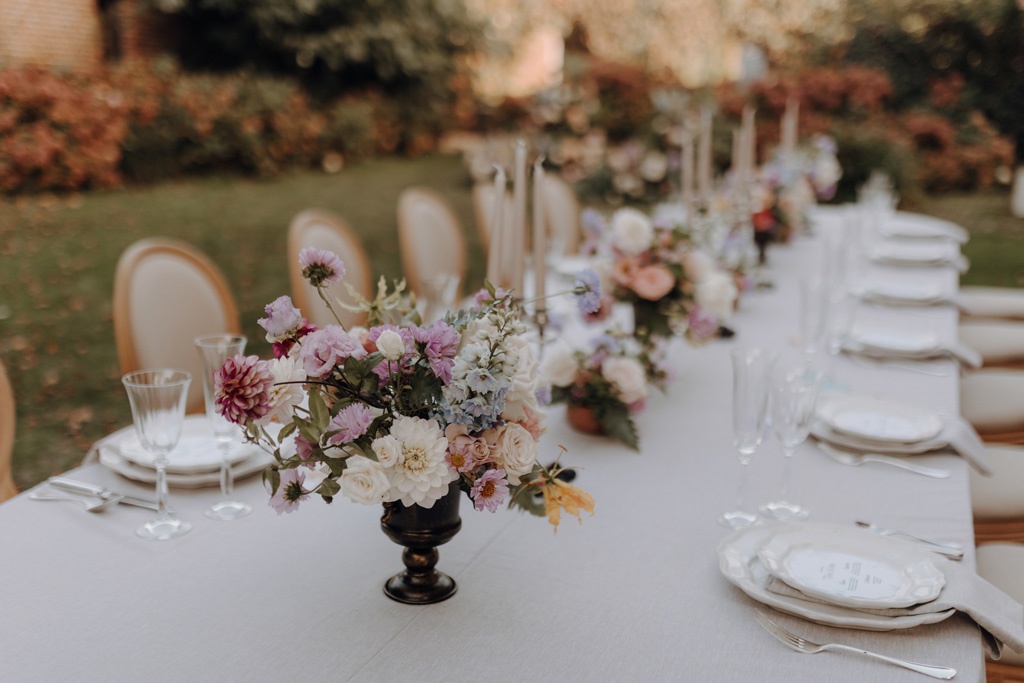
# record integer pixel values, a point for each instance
(583, 419)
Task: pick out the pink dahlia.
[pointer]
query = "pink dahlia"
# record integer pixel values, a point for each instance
(289, 492)
(242, 388)
(441, 345)
(320, 266)
(321, 351)
(490, 490)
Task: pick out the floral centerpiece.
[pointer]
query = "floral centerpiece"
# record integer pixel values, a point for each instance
(791, 183)
(399, 412)
(603, 386)
(673, 288)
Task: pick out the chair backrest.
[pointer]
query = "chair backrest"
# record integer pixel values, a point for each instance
(483, 209)
(562, 213)
(167, 293)
(325, 230)
(7, 487)
(430, 239)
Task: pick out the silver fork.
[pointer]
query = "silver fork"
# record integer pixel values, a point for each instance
(856, 459)
(802, 645)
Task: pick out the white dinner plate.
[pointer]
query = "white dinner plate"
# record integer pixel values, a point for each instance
(909, 293)
(913, 254)
(197, 451)
(911, 226)
(255, 461)
(852, 567)
(879, 420)
(899, 342)
(739, 563)
(820, 430)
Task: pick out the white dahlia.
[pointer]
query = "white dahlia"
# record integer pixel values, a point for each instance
(286, 392)
(421, 475)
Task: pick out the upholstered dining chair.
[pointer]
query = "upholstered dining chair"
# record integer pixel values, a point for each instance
(431, 241)
(997, 501)
(992, 401)
(325, 230)
(7, 487)
(483, 209)
(167, 293)
(1000, 342)
(1002, 565)
(1004, 303)
(562, 213)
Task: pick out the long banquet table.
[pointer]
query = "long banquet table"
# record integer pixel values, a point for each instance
(634, 593)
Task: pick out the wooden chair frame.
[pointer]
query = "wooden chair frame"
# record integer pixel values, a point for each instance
(1003, 673)
(302, 292)
(406, 242)
(7, 425)
(131, 260)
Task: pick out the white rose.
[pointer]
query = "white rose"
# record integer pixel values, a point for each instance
(716, 293)
(627, 375)
(388, 450)
(632, 231)
(698, 265)
(391, 345)
(517, 451)
(364, 481)
(559, 365)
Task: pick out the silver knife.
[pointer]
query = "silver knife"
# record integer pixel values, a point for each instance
(94, 490)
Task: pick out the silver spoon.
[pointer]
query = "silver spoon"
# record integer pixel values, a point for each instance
(101, 504)
(951, 550)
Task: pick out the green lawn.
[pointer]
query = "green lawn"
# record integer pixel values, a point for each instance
(57, 258)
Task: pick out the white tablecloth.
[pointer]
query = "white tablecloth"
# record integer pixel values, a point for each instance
(633, 594)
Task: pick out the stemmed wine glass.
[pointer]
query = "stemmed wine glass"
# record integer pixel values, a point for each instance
(214, 350)
(751, 370)
(157, 399)
(794, 395)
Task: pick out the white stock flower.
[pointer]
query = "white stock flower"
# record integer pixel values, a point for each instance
(716, 293)
(559, 365)
(391, 345)
(627, 375)
(632, 231)
(388, 450)
(698, 265)
(517, 451)
(286, 392)
(364, 481)
(421, 475)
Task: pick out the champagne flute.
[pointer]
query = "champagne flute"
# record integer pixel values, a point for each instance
(751, 370)
(157, 398)
(794, 395)
(213, 351)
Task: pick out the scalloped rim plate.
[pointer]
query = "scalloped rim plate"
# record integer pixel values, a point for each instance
(880, 420)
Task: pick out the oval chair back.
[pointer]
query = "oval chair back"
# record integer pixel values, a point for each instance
(430, 239)
(7, 487)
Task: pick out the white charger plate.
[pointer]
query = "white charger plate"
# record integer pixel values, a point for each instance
(852, 567)
(879, 420)
(900, 342)
(909, 293)
(739, 563)
(197, 450)
(911, 226)
(913, 254)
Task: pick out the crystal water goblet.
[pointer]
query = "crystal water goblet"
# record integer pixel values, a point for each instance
(213, 351)
(794, 396)
(157, 399)
(813, 315)
(751, 370)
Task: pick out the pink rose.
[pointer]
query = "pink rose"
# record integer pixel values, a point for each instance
(652, 282)
(475, 449)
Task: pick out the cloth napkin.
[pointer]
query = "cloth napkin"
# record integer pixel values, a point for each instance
(957, 434)
(1000, 617)
(965, 355)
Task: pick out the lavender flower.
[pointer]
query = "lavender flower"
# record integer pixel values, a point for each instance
(489, 490)
(320, 266)
(283, 319)
(242, 389)
(441, 344)
(351, 423)
(703, 324)
(587, 291)
(289, 492)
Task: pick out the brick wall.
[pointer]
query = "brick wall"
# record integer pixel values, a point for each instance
(64, 34)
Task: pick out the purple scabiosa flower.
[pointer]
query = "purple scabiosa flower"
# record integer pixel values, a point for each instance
(321, 351)
(289, 492)
(242, 389)
(283, 319)
(490, 490)
(351, 423)
(587, 291)
(440, 346)
(320, 266)
(702, 324)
